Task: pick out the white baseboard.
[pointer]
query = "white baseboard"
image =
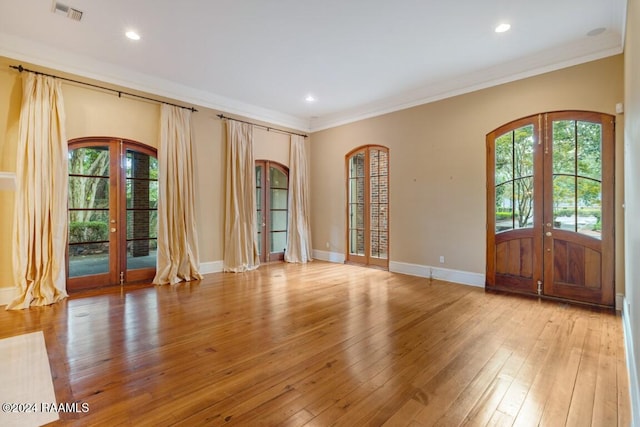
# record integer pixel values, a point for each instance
(455, 276)
(211, 267)
(7, 295)
(328, 256)
(634, 387)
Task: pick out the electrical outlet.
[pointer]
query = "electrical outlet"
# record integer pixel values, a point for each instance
(441, 259)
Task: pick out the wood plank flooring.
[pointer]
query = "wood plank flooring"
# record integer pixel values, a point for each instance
(327, 344)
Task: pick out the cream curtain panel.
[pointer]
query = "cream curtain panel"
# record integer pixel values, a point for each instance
(240, 226)
(299, 225)
(40, 216)
(177, 257)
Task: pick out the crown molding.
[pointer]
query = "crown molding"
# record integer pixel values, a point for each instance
(582, 51)
(459, 86)
(20, 49)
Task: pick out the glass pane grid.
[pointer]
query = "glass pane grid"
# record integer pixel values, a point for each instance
(373, 180)
(513, 178)
(577, 186)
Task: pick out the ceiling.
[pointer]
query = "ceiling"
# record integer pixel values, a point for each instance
(358, 58)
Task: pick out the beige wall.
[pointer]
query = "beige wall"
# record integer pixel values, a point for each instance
(632, 197)
(92, 112)
(11, 92)
(437, 159)
(437, 154)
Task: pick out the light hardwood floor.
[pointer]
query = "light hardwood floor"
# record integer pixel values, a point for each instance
(326, 344)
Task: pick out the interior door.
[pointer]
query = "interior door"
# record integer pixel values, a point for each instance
(550, 206)
(112, 210)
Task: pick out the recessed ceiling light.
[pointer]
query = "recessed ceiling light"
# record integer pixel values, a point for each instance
(132, 35)
(502, 28)
(310, 98)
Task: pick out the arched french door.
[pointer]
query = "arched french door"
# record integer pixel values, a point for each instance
(113, 194)
(550, 206)
(272, 201)
(368, 206)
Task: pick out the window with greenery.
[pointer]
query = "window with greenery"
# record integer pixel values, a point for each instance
(577, 176)
(514, 179)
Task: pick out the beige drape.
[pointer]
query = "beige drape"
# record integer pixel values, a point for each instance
(298, 222)
(177, 258)
(240, 223)
(40, 216)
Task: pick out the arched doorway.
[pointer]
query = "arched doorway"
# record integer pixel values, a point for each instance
(368, 206)
(272, 199)
(550, 209)
(112, 206)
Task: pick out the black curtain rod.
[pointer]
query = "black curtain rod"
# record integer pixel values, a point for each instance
(119, 92)
(268, 128)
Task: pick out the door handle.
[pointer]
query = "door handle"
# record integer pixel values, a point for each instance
(113, 229)
(548, 234)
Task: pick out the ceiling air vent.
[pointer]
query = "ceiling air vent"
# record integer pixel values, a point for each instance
(69, 12)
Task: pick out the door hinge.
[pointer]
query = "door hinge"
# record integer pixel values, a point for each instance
(121, 278)
(539, 287)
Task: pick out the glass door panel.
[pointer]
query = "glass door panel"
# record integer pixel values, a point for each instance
(378, 203)
(514, 206)
(368, 206)
(141, 181)
(89, 213)
(272, 199)
(513, 179)
(260, 200)
(278, 210)
(577, 176)
(112, 211)
(356, 204)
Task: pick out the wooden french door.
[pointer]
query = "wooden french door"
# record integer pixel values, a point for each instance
(550, 218)
(368, 206)
(112, 209)
(272, 199)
